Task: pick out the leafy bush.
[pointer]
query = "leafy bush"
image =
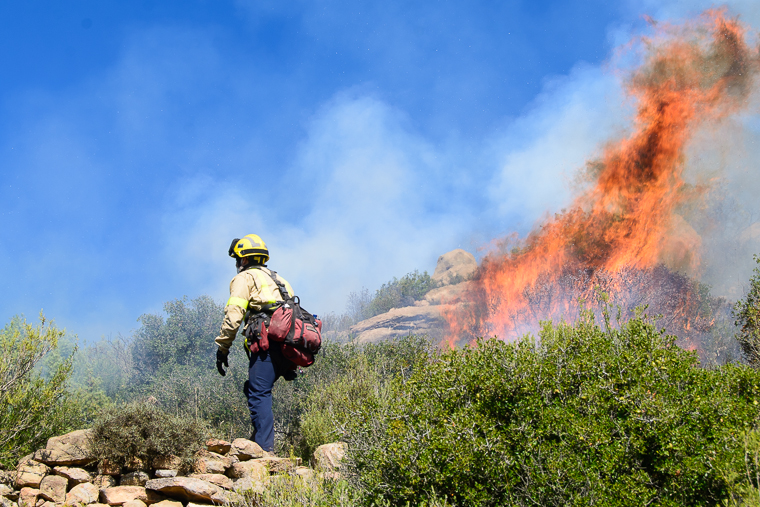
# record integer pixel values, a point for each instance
(144, 431)
(172, 360)
(185, 337)
(319, 407)
(747, 314)
(585, 415)
(32, 407)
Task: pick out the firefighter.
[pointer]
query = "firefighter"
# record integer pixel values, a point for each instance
(252, 290)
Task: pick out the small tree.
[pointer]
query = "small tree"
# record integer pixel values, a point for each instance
(747, 315)
(185, 337)
(32, 408)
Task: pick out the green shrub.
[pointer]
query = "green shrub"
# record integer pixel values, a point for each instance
(171, 358)
(33, 407)
(585, 415)
(319, 407)
(185, 337)
(145, 431)
(747, 314)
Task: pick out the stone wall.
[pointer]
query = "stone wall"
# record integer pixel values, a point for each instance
(65, 473)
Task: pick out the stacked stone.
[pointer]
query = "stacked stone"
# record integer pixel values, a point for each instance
(65, 473)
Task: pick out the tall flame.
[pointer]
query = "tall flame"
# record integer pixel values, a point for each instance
(624, 233)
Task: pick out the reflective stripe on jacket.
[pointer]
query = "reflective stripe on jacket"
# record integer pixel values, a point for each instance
(252, 288)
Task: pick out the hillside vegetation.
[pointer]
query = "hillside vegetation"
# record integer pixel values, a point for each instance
(600, 412)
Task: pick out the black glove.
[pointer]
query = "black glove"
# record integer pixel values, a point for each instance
(221, 360)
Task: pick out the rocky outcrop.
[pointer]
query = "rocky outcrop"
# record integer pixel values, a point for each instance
(455, 267)
(452, 272)
(220, 473)
(400, 322)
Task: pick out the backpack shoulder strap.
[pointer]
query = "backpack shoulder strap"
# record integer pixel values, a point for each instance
(280, 286)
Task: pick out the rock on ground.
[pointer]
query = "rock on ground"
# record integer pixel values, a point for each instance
(162, 474)
(328, 456)
(220, 480)
(73, 475)
(245, 449)
(188, 489)
(278, 465)
(218, 446)
(85, 493)
(207, 462)
(69, 449)
(118, 495)
(155, 497)
(28, 497)
(30, 474)
(104, 481)
(168, 503)
(53, 488)
(135, 503)
(253, 469)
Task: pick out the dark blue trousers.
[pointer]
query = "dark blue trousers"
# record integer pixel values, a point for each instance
(258, 388)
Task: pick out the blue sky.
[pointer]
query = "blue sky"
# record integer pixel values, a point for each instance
(360, 139)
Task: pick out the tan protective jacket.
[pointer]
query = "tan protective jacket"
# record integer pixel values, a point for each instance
(252, 288)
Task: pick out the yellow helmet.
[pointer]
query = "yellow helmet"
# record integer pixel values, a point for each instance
(249, 245)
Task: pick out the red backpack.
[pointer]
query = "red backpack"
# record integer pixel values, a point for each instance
(298, 332)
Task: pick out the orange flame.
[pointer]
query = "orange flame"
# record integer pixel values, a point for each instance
(624, 235)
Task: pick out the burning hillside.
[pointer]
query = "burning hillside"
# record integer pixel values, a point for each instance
(625, 234)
